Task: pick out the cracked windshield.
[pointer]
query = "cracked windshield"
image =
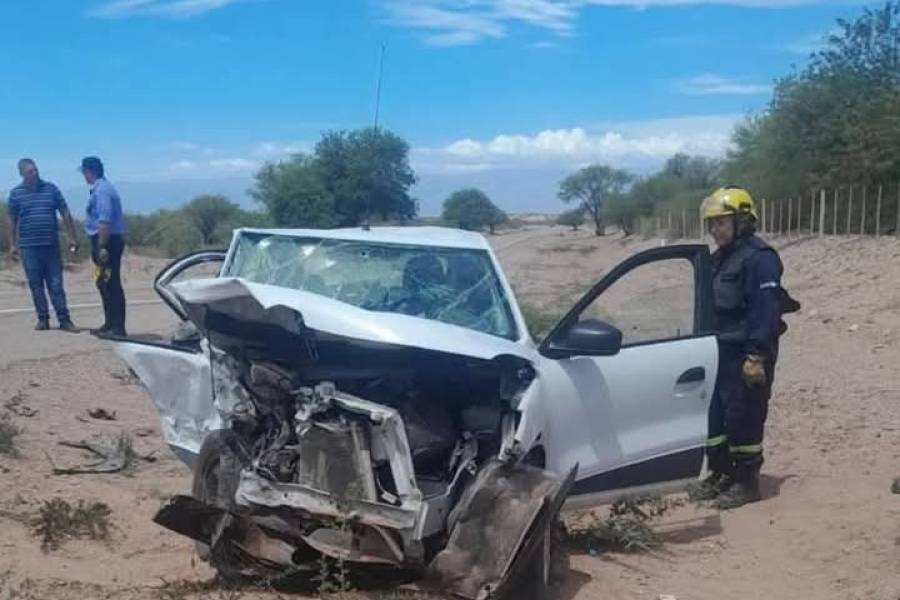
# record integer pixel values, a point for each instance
(454, 286)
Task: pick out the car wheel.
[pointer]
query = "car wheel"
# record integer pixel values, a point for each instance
(548, 568)
(216, 475)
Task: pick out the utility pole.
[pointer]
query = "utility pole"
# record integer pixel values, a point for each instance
(378, 85)
(366, 220)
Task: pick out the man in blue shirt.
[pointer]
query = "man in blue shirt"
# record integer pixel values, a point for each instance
(34, 234)
(105, 226)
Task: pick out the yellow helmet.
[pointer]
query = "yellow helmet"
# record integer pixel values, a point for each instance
(728, 201)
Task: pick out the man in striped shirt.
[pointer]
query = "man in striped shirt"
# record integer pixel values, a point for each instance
(34, 234)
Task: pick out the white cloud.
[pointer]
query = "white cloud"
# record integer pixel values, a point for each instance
(810, 43)
(709, 84)
(212, 168)
(184, 165)
(237, 164)
(274, 150)
(171, 8)
(638, 145)
(447, 26)
(465, 22)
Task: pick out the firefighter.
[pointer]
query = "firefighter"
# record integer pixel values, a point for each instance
(749, 302)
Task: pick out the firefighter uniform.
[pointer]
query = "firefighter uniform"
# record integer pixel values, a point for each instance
(749, 302)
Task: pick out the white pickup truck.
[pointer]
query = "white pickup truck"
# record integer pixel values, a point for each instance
(374, 396)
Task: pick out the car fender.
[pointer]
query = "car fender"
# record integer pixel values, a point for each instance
(532, 428)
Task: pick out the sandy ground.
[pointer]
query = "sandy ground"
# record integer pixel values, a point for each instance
(827, 529)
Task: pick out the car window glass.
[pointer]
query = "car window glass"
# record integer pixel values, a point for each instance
(652, 302)
(455, 286)
(205, 270)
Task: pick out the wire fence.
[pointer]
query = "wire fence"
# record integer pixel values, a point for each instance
(862, 210)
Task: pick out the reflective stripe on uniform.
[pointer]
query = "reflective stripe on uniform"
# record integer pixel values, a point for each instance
(716, 440)
(768, 284)
(747, 449)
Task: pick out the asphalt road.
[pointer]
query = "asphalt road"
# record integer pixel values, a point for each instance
(18, 340)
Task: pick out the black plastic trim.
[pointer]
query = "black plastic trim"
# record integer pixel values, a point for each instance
(671, 467)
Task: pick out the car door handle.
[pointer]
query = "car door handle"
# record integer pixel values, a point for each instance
(695, 375)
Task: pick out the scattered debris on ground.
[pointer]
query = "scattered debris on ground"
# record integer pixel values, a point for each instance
(118, 456)
(627, 526)
(8, 433)
(58, 520)
(102, 414)
(128, 377)
(16, 405)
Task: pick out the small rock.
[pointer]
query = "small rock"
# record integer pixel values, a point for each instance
(814, 313)
(826, 320)
(667, 597)
(853, 328)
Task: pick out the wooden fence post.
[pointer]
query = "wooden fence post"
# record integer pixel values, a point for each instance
(834, 218)
(684, 231)
(790, 214)
(862, 219)
(762, 214)
(812, 212)
(781, 217)
(849, 209)
(822, 212)
(878, 212)
(771, 210)
(897, 216)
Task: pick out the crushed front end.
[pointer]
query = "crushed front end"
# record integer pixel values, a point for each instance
(370, 453)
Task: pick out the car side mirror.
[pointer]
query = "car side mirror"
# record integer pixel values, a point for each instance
(589, 337)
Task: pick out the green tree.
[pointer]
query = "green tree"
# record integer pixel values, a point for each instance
(294, 194)
(571, 218)
(175, 234)
(590, 187)
(620, 210)
(141, 228)
(835, 121)
(366, 173)
(209, 213)
(471, 208)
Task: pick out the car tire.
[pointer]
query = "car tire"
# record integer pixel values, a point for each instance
(215, 480)
(548, 568)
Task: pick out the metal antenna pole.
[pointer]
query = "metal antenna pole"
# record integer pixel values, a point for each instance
(378, 86)
(368, 215)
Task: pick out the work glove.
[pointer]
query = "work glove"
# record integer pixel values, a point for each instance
(754, 370)
(103, 256)
(101, 274)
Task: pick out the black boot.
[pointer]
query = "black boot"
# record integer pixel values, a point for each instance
(68, 326)
(744, 490)
(709, 488)
(42, 325)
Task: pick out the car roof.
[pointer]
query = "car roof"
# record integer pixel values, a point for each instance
(439, 237)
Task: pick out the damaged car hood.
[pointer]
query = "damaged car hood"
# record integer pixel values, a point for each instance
(287, 325)
(231, 298)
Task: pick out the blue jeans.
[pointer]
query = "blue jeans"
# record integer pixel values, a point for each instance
(43, 266)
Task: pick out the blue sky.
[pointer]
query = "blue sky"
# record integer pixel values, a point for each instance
(181, 97)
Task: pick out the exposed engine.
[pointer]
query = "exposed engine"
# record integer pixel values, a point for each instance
(393, 441)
